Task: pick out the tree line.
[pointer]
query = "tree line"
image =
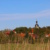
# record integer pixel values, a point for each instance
(12, 36)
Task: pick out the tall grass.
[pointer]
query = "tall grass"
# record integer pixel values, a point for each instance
(25, 46)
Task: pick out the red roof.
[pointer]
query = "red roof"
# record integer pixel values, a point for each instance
(8, 32)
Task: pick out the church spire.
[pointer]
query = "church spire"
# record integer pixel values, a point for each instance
(36, 25)
(36, 22)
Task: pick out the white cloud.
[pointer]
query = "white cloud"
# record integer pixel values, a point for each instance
(45, 13)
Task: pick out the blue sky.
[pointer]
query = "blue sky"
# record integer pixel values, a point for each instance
(18, 13)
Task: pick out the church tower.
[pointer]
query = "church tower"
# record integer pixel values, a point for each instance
(36, 25)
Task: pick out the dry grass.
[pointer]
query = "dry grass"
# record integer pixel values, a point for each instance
(24, 46)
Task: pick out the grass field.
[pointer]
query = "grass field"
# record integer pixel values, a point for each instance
(24, 46)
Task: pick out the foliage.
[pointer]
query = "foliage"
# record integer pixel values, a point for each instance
(4, 38)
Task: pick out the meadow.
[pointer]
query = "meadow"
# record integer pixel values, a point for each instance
(25, 46)
(39, 39)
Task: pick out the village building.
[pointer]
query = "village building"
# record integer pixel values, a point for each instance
(36, 25)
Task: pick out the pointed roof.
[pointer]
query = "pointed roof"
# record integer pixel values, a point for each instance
(36, 25)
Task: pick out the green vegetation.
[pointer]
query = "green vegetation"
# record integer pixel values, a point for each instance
(21, 39)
